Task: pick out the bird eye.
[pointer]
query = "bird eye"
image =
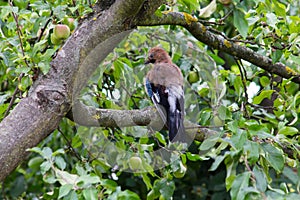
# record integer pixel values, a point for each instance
(151, 56)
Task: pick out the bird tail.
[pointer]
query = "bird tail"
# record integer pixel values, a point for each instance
(175, 114)
(176, 127)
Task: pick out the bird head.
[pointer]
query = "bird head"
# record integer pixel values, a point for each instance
(158, 55)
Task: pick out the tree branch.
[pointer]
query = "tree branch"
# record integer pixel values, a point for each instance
(95, 117)
(51, 96)
(202, 33)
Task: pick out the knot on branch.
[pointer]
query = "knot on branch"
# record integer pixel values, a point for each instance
(52, 99)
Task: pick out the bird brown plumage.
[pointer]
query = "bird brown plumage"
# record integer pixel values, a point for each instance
(164, 84)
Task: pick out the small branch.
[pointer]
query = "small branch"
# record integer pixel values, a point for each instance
(15, 16)
(69, 143)
(43, 29)
(249, 169)
(130, 96)
(244, 81)
(13, 98)
(25, 60)
(74, 4)
(226, 16)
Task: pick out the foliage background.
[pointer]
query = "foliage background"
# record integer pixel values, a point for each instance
(253, 155)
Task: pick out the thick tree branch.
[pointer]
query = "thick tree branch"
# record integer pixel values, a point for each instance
(203, 34)
(95, 117)
(51, 96)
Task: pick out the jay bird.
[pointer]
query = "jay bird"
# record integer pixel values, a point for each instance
(164, 85)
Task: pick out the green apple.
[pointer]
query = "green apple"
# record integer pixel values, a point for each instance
(55, 40)
(193, 77)
(70, 22)
(180, 172)
(61, 31)
(135, 163)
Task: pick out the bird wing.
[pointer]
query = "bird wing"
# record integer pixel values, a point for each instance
(153, 93)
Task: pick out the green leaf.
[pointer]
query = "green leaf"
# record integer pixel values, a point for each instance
(229, 181)
(3, 108)
(279, 8)
(252, 150)
(64, 190)
(90, 193)
(264, 94)
(192, 5)
(295, 59)
(241, 182)
(128, 195)
(57, 152)
(109, 184)
(65, 177)
(208, 10)
(76, 141)
(271, 19)
(260, 177)
(147, 181)
(46, 153)
(45, 166)
(165, 187)
(276, 55)
(193, 157)
(238, 139)
(36, 150)
(209, 143)
(35, 162)
(22, 69)
(264, 81)
(89, 179)
(240, 22)
(224, 113)
(216, 58)
(273, 156)
(60, 162)
(160, 138)
(290, 174)
(217, 162)
(288, 130)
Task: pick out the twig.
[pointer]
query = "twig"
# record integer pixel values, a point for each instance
(90, 4)
(23, 53)
(218, 32)
(74, 4)
(199, 126)
(244, 80)
(19, 34)
(130, 95)
(208, 23)
(43, 29)
(249, 169)
(226, 16)
(69, 144)
(13, 98)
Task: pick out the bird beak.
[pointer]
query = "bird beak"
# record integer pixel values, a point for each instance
(147, 61)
